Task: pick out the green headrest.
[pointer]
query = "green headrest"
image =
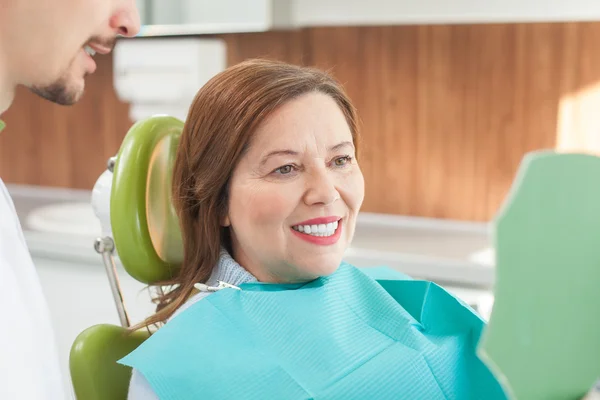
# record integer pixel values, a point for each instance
(144, 223)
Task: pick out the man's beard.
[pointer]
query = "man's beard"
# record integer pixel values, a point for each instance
(61, 92)
(58, 92)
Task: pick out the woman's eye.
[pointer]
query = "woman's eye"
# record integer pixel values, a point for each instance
(341, 161)
(286, 169)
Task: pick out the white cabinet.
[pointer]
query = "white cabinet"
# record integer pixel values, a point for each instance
(173, 17)
(227, 12)
(398, 12)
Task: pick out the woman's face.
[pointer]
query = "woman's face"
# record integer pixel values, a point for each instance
(295, 194)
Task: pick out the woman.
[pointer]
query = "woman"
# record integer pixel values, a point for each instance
(267, 187)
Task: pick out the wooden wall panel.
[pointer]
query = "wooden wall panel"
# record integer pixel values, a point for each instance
(51, 145)
(447, 111)
(579, 125)
(287, 46)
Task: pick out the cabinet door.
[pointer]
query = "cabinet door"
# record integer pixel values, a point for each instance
(208, 15)
(227, 12)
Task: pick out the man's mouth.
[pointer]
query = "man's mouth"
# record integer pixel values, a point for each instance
(96, 47)
(91, 52)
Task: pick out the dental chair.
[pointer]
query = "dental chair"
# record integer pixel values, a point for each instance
(539, 344)
(132, 199)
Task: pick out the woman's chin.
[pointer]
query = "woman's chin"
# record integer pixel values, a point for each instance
(322, 266)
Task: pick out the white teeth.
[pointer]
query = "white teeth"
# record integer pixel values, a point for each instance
(318, 230)
(89, 50)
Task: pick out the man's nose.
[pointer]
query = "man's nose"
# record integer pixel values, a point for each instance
(126, 21)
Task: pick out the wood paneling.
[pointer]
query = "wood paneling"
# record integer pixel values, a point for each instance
(447, 111)
(579, 125)
(287, 46)
(51, 145)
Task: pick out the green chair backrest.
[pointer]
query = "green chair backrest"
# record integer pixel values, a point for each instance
(543, 337)
(148, 242)
(144, 224)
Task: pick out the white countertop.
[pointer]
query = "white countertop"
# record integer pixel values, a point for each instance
(60, 224)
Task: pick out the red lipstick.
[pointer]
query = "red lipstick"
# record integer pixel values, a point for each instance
(320, 220)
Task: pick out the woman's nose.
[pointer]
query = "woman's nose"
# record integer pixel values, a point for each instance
(321, 189)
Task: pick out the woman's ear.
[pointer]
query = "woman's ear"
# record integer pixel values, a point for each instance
(225, 222)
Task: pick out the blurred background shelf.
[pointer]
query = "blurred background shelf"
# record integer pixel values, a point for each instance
(60, 223)
(60, 228)
(185, 17)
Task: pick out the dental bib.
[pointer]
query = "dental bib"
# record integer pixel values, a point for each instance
(345, 336)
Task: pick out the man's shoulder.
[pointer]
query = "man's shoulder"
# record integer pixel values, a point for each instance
(8, 214)
(9, 221)
(37, 374)
(6, 204)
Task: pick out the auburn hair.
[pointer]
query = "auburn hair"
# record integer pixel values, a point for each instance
(220, 124)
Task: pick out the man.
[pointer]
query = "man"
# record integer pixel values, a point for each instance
(47, 46)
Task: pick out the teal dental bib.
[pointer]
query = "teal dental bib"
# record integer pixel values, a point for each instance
(345, 336)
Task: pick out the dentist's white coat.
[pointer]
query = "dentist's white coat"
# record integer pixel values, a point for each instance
(29, 367)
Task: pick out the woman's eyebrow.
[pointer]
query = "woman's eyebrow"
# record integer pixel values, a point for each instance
(289, 152)
(341, 145)
(286, 152)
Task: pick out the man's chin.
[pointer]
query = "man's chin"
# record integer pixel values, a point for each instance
(60, 93)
